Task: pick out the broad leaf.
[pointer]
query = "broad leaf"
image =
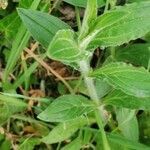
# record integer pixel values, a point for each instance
(74, 145)
(133, 25)
(66, 107)
(101, 23)
(131, 80)
(102, 88)
(64, 130)
(127, 123)
(137, 54)
(120, 99)
(83, 3)
(41, 25)
(64, 47)
(118, 139)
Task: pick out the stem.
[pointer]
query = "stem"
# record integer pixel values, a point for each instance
(106, 6)
(85, 68)
(78, 18)
(148, 67)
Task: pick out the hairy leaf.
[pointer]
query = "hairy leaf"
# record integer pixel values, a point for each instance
(131, 80)
(120, 99)
(64, 130)
(64, 47)
(133, 25)
(66, 107)
(127, 123)
(41, 25)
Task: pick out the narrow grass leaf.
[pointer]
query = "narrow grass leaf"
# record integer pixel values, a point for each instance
(18, 44)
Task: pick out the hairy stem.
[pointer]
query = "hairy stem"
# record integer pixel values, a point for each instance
(85, 68)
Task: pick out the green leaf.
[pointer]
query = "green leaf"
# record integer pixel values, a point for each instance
(89, 17)
(74, 145)
(120, 99)
(101, 23)
(19, 43)
(10, 106)
(66, 107)
(25, 3)
(83, 3)
(133, 25)
(127, 123)
(5, 145)
(102, 88)
(65, 130)
(131, 80)
(41, 25)
(137, 54)
(126, 143)
(9, 26)
(64, 47)
(29, 144)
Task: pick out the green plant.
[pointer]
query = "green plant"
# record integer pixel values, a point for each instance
(130, 86)
(119, 86)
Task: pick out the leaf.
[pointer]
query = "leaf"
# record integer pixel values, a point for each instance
(41, 25)
(89, 17)
(5, 145)
(29, 144)
(66, 107)
(131, 80)
(25, 3)
(101, 23)
(120, 99)
(10, 106)
(64, 130)
(133, 25)
(137, 54)
(125, 142)
(64, 47)
(73, 145)
(127, 123)
(102, 88)
(83, 3)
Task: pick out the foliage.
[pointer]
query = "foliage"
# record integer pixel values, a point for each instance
(102, 107)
